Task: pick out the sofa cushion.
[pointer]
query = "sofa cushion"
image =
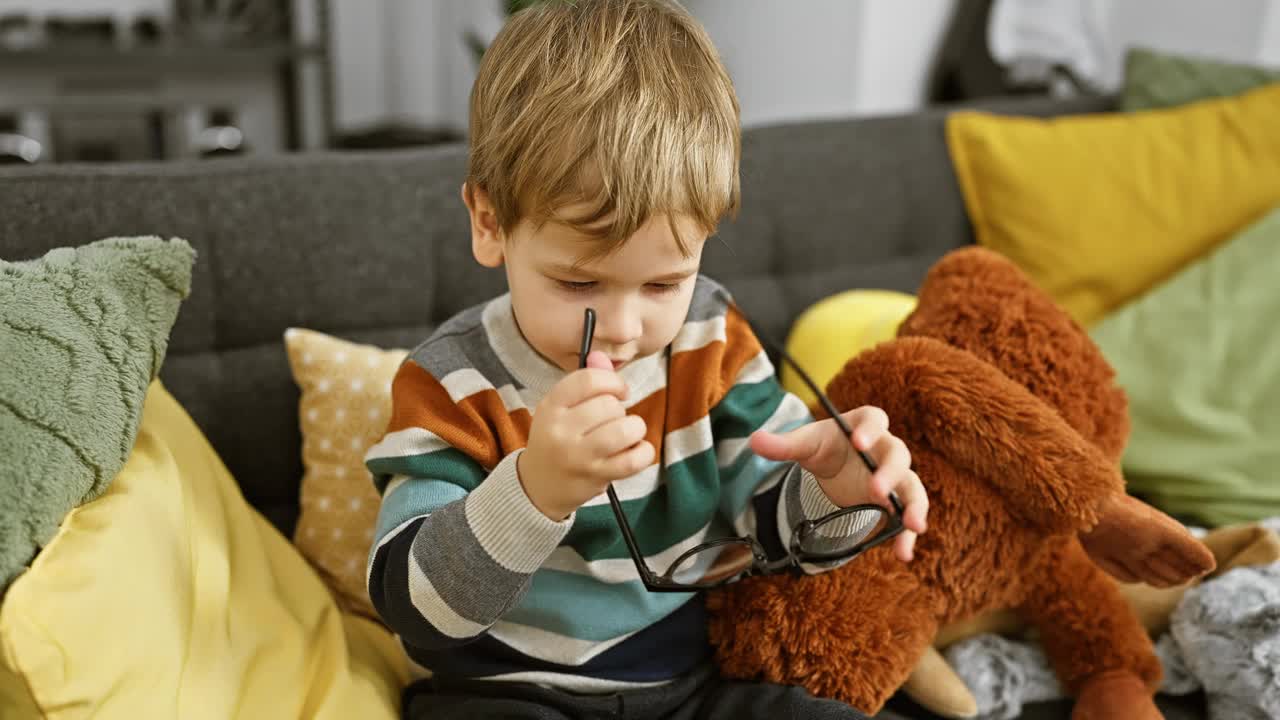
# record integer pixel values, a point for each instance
(1154, 79)
(169, 597)
(835, 329)
(82, 333)
(345, 408)
(1098, 209)
(1199, 358)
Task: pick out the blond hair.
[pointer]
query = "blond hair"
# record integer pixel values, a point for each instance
(619, 107)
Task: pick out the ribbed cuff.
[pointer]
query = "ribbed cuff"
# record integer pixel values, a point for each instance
(508, 526)
(814, 502)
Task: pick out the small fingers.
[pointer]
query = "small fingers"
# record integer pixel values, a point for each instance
(597, 359)
(904, 546)
(629, 461)
(587, 416)
(614, 436)
(582, 385)
(868, 423)
(801, 444)
(893, 462)
(915, 514)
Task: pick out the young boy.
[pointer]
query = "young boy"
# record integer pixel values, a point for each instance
(605, 147)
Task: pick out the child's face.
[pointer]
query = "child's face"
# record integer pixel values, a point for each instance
(640, 292)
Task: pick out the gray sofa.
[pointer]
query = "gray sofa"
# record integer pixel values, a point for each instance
(373, 247)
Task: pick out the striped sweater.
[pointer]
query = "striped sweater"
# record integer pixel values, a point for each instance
(478, 583)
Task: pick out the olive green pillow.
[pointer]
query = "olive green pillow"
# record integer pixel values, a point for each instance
(83, 331)
(1157, 80)
(1199, 357)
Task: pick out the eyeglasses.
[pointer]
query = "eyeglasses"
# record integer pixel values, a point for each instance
(840, 535)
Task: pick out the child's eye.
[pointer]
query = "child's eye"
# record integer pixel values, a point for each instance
(664, 287)
(572, 286)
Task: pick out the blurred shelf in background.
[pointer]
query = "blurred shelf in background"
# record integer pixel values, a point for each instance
(147, 57)
(186, 79)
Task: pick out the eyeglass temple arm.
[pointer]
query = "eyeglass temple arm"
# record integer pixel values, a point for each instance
(588, 333)
(629, 538)
(826, 405)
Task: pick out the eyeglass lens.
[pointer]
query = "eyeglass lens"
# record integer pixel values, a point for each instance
(712, 564)
(844, 532)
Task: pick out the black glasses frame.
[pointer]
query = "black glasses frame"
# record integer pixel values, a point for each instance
(761, 565)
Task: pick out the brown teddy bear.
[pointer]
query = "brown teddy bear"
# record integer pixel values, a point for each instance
(1015, 427)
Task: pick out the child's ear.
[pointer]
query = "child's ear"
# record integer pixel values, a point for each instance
(486, 238)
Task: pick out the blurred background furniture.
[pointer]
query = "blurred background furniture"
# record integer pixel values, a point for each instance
(163, 79)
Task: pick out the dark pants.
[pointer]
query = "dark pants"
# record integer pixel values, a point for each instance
(700, 695)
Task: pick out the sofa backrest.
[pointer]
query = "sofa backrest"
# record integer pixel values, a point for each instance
(374, 247)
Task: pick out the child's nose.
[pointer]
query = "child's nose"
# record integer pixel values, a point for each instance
(619, 327)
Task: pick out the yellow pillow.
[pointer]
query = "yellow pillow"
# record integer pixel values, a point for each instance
(1099, 208)
(833, 330)
(344, 409)
(170, 597)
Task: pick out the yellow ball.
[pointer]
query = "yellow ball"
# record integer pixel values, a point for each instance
(834, 329)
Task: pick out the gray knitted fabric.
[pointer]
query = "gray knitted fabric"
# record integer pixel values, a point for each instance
(1003, 674)
(1224, 637)
(1228, 630)
(1178, 678)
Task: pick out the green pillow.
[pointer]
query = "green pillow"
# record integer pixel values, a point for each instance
(1156, 80)
(83, 331)
(1199, 357)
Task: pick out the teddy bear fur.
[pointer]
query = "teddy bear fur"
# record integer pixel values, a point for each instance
(1016, 427)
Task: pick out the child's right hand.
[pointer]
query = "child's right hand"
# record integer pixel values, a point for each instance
(581, 439)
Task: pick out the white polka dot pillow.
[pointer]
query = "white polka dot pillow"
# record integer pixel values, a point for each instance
(345, 406)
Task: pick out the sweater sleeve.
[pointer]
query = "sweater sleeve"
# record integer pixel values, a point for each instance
(764, 498)
(455, 544)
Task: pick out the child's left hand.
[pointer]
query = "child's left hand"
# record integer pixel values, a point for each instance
(823, 449)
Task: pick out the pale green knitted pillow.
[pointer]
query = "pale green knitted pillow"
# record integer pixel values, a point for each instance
(83, 331)
(1199, 358)
(1155, 79)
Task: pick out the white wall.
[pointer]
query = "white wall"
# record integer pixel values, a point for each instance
(789, 60)
(417, 63)
(485, 18)
(1093, 36)
(811, 58)
(405, 60)
(359, 66)
(1226, 30)
(823, 58)
(899, 41)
